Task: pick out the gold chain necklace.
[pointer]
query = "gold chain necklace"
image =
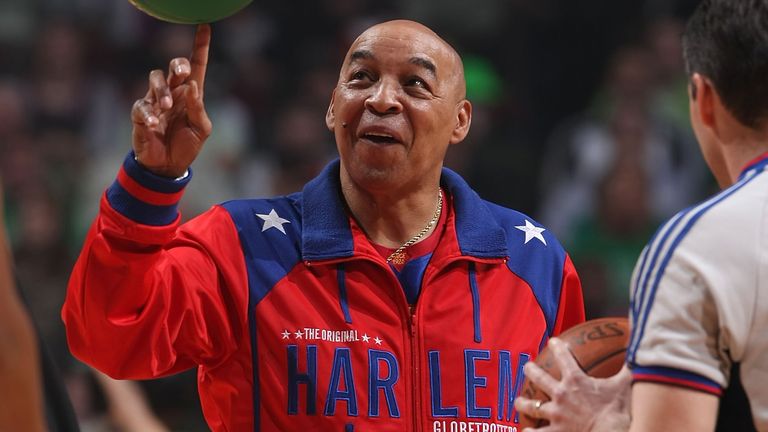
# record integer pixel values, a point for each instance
(398, 257)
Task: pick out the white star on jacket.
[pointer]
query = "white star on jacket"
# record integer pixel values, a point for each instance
(273, 220)
(531, 231)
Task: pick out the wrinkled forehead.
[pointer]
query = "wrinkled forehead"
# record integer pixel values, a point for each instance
(403, 43)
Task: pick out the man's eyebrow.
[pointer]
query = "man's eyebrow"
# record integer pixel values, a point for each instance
(419, 61)
(425, 63)
(360, 55)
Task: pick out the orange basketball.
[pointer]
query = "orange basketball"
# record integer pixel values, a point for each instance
(599, 347)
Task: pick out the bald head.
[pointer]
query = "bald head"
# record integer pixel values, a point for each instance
(431, 51)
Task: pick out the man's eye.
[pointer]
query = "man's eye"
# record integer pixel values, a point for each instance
(417, 82)
(361, 76)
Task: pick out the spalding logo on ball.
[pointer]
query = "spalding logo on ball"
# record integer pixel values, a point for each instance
(190, 11)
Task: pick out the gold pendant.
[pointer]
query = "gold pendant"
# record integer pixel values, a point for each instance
(398, 258)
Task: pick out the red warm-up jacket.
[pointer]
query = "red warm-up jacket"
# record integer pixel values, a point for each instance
(296, 323)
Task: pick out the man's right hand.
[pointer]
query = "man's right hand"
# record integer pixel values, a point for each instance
(170, 124)
(579, 403)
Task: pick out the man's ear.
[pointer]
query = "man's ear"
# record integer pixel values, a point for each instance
(704, 98)
(463, 121)
(711, 110)
(330, 116)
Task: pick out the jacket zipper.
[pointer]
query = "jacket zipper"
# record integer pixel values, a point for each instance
(414, 367)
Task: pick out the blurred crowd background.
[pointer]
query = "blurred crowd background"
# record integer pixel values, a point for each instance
(580, 120)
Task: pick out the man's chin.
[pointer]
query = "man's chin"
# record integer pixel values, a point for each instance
(377, 176)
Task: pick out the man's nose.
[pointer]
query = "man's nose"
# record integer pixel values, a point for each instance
(385, 98)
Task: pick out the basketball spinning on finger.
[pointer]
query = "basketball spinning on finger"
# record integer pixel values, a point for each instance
(190, 11)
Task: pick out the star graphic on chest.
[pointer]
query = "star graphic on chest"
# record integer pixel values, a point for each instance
(377, 340)
(366, 338)
(286, 334)
(532, 232)
(299, 334)
(273, 220)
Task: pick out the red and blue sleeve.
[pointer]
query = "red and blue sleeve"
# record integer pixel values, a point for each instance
(149, 297)
(571, 306)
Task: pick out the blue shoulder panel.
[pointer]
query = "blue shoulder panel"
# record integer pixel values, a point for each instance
(536, 256)
(270, 236)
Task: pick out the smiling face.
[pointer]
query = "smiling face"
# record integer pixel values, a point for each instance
(397, 106)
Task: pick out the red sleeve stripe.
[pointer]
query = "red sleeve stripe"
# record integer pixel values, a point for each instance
(146, 195)
(661, 379)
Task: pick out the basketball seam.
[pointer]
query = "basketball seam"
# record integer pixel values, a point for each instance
(601, 360)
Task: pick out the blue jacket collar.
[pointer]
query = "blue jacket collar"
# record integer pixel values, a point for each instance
(327, 233)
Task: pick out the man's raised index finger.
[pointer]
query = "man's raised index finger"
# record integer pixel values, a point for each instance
(199, 60)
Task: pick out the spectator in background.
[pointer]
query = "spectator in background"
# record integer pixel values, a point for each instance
(585, 149)
(669, 98)
(604, 245)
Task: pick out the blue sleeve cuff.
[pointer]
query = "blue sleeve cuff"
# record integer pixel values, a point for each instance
(144, 197)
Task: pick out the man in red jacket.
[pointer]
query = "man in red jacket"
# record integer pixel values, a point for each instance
(385, 296)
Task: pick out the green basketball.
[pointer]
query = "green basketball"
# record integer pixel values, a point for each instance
(190, 11)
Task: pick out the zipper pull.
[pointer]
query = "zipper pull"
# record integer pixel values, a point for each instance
(412, 319)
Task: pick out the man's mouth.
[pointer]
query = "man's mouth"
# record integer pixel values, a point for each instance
(380, 138)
